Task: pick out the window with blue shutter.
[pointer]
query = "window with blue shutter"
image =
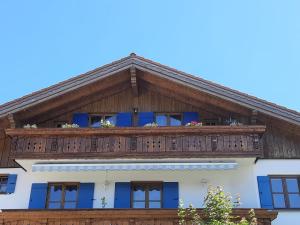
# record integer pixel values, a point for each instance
(265, 194)
(86, 196)
(122, 195)
(285, 191)
(81, 119)
(145, 118)
(124, 119)
(11, 183)
(38, 196)
(170, 195)
(189, 117)
(146, 195)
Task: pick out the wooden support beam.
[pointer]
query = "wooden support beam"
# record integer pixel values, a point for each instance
(254, 117)
(133, 80)
(11, 121)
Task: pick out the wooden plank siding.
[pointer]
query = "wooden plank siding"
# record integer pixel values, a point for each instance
(280, 143)
(112, 217)
(147, 101)
(217, 141)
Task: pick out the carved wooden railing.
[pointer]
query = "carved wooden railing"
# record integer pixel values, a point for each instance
(137, 141)
(111, 217)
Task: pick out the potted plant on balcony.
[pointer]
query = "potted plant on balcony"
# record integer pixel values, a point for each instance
(67, 125)
(232, 122)
(194, 124)
(217, 211)
(151, 125)
(29, 126)
(106, 124)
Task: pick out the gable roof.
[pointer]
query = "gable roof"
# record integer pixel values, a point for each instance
(156, 69)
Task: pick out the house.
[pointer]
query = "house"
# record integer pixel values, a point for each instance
(136, 172)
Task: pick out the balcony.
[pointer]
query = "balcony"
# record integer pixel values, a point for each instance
(111, 216)
(143, 142)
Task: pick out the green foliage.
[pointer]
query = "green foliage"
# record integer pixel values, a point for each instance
(103, 202)
(190, 212)
(218, 207)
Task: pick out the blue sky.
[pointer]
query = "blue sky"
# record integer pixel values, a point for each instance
(251, 45)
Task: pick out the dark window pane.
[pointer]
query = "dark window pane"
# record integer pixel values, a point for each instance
(276, 185)
(54, 205)
(3, 184)
(71, 192)
(95, 121)
(279, 201)
(154, 193)
(161, 120)
(294, 200)
(175, 120)
(55, 192)
(3, 188)
(112, 119)
(70, 205)
(292, 185)
(3, 180)
(154, 205)
(138, 193)
(139, 205)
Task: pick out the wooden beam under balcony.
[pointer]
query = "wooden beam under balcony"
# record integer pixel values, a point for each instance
(113, 216)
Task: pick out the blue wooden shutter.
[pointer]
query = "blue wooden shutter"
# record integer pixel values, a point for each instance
(144, 118)
(38, 196)
(86, 196)
(124, 119)
(81, 119)
(170, 195)
(11, 183)
(265, 195)
(122, 195)
(189, 117)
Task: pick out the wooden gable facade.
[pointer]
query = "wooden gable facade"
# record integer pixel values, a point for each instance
(134, 84)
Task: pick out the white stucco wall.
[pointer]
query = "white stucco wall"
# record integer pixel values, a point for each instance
(191, 188)
(280, 167)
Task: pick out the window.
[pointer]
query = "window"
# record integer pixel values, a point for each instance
(3, 183)
(146, 195)
(95, 120)
(285, 192)
(168, 119)
(62, 195)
